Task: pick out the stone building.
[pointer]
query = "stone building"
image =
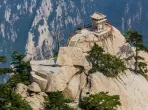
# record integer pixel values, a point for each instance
(97, 32)
(98, 21)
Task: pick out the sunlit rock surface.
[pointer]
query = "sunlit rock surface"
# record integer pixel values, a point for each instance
(132, 88)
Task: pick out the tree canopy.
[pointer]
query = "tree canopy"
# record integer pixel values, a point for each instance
(100, 101)
(2, 59)
(57, 101)
(106, 63)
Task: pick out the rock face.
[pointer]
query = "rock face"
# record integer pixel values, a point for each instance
(36, 101)
(52, 78)
(58, 81)
(131, 88)
(21, 89)
(69, 74)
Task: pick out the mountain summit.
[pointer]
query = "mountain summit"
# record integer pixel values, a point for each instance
(69, 72)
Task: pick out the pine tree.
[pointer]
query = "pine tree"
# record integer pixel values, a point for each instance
(9, 100)
(106, 63)
(100, 101)
(136, 40)
(19, 64)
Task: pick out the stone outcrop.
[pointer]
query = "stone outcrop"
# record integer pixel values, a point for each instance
(22, 90)
(69, 74)
(35, 100)
(52, 78)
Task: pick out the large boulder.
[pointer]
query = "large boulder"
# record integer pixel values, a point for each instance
(42, 82)
(52, 79)
(34, 87)
(75, 85)
(71, 56)
(58, 81)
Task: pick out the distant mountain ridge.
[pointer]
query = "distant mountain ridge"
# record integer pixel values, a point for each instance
(31, 26)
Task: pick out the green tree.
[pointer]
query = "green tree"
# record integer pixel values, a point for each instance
(111, 65)
(95, 56)
(21, 68)
(106, 63)
(19, 64)
(100, 101)
(9, 100)
(57, 101)
(136, 40)
(4, 70)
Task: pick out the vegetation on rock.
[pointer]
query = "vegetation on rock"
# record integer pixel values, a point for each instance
(100, 101)
(106, 63)
(57, 101)
(136, 40)
(9, 100)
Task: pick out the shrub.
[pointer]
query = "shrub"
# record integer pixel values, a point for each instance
(57, 101)
(2, 59)
(5, 70)
(9, 100)
(100, 101)
(106, 63)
